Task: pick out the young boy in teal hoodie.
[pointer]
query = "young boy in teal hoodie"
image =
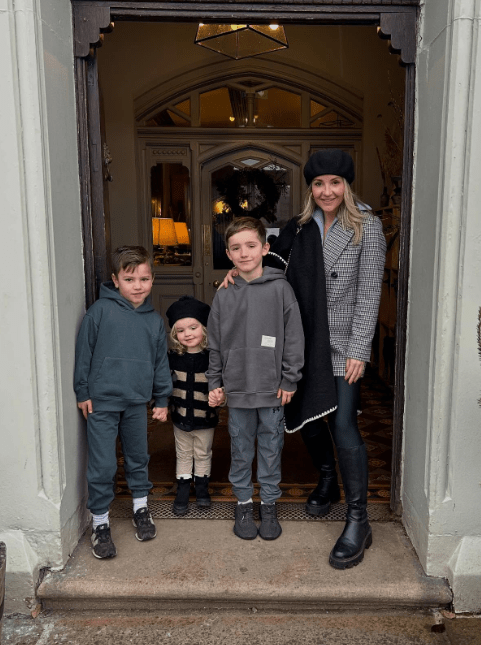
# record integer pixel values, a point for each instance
(120, 365)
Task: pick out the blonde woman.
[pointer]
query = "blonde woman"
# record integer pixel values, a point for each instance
(333, 254)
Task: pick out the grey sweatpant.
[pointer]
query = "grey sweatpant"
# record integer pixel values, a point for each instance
(245, 425)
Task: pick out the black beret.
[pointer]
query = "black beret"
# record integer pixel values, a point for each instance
(329, 162)
(188, 307)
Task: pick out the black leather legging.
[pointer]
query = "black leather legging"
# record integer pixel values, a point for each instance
(342, 425)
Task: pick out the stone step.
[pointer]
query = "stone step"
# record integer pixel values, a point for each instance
(196, 564)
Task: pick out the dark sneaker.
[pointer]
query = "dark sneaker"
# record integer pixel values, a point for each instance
(102, 545)
(244, 526)
(270, 529)
(144, 523)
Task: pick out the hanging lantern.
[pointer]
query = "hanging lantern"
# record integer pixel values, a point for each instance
(241, 41)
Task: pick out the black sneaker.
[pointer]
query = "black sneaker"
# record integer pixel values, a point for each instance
(270, 529)
(144, 523)
(244, 526)
(102, 545)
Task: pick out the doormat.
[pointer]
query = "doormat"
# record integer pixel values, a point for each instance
(161, 509)
(378, 493)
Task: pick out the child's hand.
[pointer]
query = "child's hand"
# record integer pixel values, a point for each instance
(86, 407)
(159, 414)
(284, 396)
(216, 397)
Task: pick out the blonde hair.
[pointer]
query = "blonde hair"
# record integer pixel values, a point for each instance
(177, 345)
(348, 214)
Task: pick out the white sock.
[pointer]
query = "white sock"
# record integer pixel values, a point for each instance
(139, 502)
(249, 501)
(184, 476)
(265, 502)
(97, 520)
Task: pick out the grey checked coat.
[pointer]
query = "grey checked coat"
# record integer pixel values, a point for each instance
(353, 287)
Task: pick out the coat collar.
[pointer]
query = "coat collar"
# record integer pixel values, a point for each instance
(336, 242)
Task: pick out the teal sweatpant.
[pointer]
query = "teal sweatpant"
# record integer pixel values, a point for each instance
(102, 430)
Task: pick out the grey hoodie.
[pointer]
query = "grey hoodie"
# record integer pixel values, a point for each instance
(256, 340)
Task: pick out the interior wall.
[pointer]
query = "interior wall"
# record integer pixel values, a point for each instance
(137, 56)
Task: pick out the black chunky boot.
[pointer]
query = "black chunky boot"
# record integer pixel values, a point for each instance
(357, 535)
(318, 442)
(202, 491)
(181, 502)
(326, 491)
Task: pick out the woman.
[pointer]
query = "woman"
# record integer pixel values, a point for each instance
(334, 255)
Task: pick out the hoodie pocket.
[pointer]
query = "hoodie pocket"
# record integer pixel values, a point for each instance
(123, 378)
(250, 369)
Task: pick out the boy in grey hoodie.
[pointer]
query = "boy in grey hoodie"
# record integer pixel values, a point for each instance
(120, 365)
(256, 355)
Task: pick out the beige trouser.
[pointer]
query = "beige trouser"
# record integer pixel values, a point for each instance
(194, 446)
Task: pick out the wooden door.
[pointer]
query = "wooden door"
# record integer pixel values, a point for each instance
(251, 182)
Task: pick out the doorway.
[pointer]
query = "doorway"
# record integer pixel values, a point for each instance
(205, 157)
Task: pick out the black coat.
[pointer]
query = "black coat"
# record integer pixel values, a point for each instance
(299, 252)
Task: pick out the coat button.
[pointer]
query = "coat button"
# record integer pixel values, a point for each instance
(334, 274)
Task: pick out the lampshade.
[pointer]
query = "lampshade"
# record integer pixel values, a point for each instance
(182, 233)
(163, 231)
(241, 41)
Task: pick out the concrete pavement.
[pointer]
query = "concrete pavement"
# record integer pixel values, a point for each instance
(201, 564)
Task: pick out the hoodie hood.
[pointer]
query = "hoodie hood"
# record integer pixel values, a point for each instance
(268, 275)
(110, 291)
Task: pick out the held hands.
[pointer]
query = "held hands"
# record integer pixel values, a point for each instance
(86, 407)
(216, 397)
(354, 370)
(159, 414)
(284, 396)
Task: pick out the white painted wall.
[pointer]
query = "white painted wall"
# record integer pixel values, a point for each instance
(42, 457)
(442, 487)
(137, 57)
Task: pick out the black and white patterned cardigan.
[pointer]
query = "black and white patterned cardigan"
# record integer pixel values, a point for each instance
(188, 405)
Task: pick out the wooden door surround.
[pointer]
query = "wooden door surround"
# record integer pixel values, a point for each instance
(396, 21)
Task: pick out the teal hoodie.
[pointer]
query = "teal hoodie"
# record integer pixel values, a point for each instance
(121, 354)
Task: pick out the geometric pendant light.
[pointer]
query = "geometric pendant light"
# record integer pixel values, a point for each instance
(241, 41)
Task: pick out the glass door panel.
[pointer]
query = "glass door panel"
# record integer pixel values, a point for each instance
(171, 214)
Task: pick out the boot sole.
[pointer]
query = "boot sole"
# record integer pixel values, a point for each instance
(353, 561)
(318, 511)
(180, 511)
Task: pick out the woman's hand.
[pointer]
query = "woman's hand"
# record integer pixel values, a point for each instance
(232, 273)
(354, 370)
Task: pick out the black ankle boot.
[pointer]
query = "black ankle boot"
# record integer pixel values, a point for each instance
(202, 491)
(326, 491)
(318, 442)
(357, 535)
(181, 502)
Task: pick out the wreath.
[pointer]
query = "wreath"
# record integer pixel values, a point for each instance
(235, 189)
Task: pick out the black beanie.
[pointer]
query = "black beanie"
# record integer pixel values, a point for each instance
(188, 307)
(329, 162)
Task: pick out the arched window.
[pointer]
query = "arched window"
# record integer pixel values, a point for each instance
(250, 102)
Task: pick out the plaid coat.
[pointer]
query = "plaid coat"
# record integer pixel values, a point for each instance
(353, 288)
